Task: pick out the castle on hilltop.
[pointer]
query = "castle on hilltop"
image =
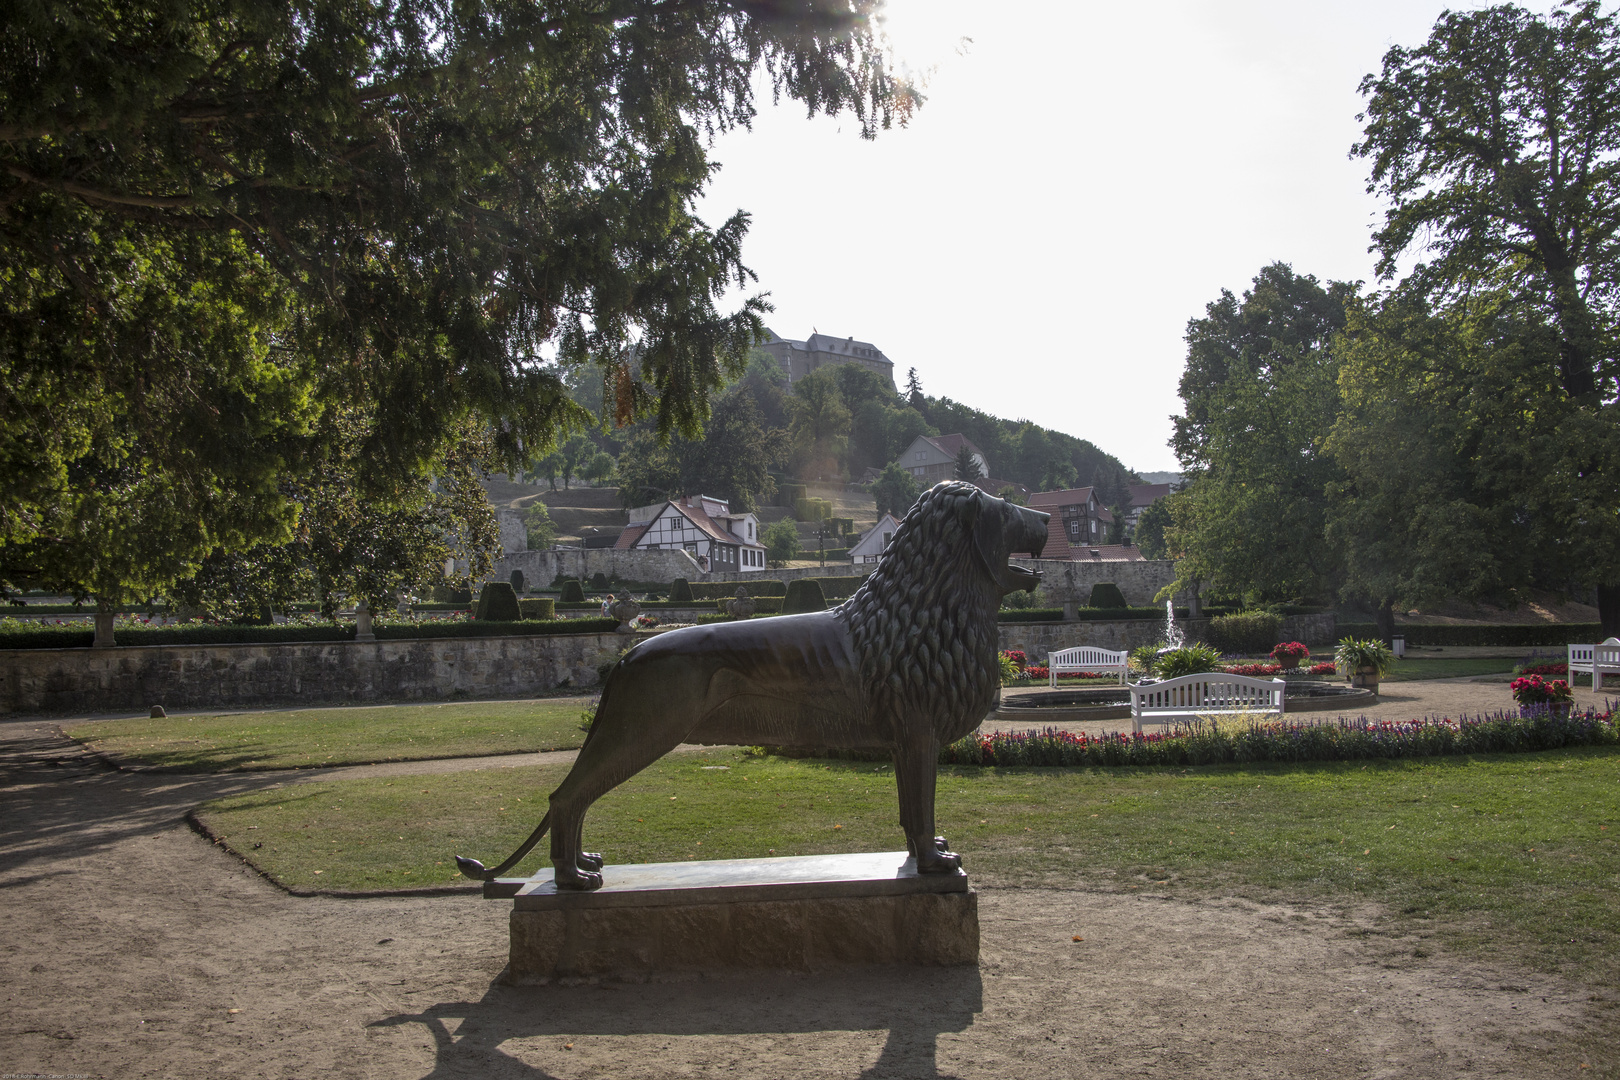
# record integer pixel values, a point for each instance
(800, 358)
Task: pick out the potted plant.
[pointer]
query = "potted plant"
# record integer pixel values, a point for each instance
(1364, 662)
(1536, 694)
(1288, 654)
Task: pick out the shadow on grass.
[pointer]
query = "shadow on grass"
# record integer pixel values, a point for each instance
(913, 1005)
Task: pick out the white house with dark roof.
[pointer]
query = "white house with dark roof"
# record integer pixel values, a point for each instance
(932, 458)
(874, 541)
(703, 527)
(800, 358)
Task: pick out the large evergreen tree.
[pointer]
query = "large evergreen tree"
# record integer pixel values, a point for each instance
(219, 221)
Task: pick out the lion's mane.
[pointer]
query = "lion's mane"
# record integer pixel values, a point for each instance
(924, 621)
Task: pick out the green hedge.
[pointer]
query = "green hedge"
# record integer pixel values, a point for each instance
(522, 628)
(804, 595)
(1105, 594)
(497, 602)
(227, 634)
(544, 609)
(1531, 636)
(718, 590)
(231, 634)
(1251, 633)
(763, 605)
(1089, 614)
(47, 637)
(71, 609)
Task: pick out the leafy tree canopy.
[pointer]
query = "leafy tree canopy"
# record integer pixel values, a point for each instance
(219, 221)
(895, 490)
(1261, 393)
(1497, 143)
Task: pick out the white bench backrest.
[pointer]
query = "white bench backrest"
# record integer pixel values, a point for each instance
(1087, 654)
(1191, 693)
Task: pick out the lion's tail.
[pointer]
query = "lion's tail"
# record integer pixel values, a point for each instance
(474, 869)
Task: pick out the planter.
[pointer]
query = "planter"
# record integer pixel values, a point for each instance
(1288, 663)
(1365, 678)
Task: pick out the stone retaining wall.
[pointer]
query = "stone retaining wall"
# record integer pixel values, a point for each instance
(315, 672)
(1071, 582)
(418, 669)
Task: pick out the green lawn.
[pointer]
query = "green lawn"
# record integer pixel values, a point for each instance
(1514, 854)
(291, 739)
(1409, 668)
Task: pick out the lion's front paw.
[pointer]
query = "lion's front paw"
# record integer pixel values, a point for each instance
(582, 880)
(942, 844)
(938, 862)
(589, 860)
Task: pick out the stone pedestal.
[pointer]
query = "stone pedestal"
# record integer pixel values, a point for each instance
(801, 914)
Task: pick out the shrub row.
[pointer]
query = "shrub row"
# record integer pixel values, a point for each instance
(229, 634)
(1344, 740)
(724, 590)
(1535, 635)
(1091, 614)
(522, 628)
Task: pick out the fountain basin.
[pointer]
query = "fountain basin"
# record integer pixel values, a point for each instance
(1113, 702)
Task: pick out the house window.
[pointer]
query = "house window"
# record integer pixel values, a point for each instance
(691, 549)
(887, 537)
(922, 455)
(1093, 528)
(1074, 530)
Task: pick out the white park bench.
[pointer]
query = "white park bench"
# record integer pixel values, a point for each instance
(1212, 693)
(1087, 658)
(1595, 660)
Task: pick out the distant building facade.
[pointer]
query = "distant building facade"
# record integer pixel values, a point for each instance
(932, 458)
(703, 527)
(800, 358)
(873, 543)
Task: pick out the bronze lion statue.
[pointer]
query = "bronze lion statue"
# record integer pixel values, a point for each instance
(907, 664)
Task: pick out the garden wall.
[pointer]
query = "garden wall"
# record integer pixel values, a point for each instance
(542, 567)
(1039, 640)
(1140, 581)
(317, 672)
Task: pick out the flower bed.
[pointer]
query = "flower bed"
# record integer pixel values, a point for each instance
(1344, 740)
(1041, 671)
(1258, 670)
(1322, 669)
(1556, 669)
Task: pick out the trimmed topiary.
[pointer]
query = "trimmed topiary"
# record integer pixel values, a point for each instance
(1106, 594)
(497, 602)
(803, 594)
(599, 582)
(517, 582)
(542, 608)
(572, 592)
(680, 591)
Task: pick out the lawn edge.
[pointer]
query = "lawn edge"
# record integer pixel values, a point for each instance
(201, 828)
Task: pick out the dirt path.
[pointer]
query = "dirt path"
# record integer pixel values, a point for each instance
(130, 947)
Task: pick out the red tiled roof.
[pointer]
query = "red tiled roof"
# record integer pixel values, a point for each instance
(1066, 497)
(1147, 494)
(628, 538)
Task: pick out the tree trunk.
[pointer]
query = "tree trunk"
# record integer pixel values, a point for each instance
(1608, 597)
(1386, 620)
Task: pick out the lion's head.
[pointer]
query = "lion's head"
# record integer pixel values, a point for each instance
(924, 621)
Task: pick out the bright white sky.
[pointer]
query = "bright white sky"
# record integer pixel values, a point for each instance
(1083, 179)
